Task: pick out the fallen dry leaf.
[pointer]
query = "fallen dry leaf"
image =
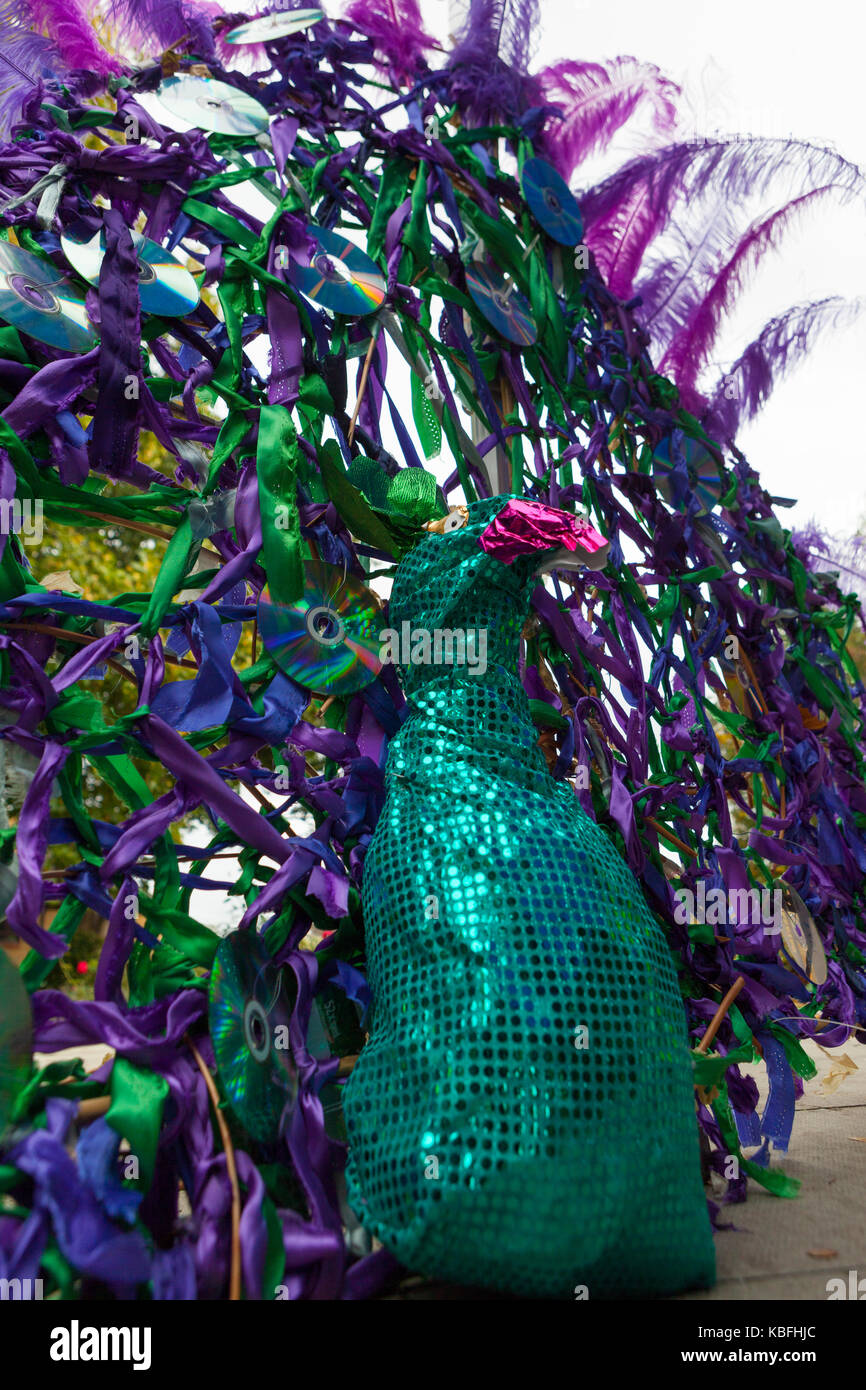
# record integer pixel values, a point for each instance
(61, 579)
(839, 1072)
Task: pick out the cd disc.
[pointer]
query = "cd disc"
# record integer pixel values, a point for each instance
(273, 26)
(212, 105)
(249, 1025)
(338, 275)
(551, 202)
(329, 640)
(739, 688)
(16, 1037)
(500, 302)
(703, 469)
(164, 285)
(37, 299)
(801, 946)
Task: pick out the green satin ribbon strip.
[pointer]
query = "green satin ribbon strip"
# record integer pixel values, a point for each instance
(198, 943)
(170, 578)
(35, 968)
(711, 1067)
(65, 1079)
(276, 469)
(138, 1098)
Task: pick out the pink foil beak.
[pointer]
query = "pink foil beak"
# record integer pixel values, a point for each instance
(522, 527)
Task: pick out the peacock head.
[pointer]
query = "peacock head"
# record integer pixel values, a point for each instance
(510, 527)
(518, 534)
(476, 566)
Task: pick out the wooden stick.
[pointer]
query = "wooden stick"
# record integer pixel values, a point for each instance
(145, 859)
(754, 680)
(719, 1016)
(92, 1109)
(669, 835)
(260, 797)
(235, 1273)
(144, 527)
(362, 386)
(506, 398)
(83, 639)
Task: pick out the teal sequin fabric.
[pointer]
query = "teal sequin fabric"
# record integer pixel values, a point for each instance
(522, 1117)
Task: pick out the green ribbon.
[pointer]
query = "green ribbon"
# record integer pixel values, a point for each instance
(67, 1079)
(276, 468)
(138, 1098)
(35, 968)
(170, 579)
(392, 191)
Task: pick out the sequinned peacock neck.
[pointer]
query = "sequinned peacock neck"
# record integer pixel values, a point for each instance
(522, 1115)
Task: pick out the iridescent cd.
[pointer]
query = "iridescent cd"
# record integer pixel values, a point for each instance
(37, 299)
(329, 640)
(338, 275)
(703, 469)
(551, 202)
(739, 687)
(212, 105)
(249, 1015)
(16, 1037)
(273, 26)
(164, 285)
(801, 945)
(500, 302)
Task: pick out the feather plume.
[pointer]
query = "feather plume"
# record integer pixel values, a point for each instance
(620, 239)
(598, 99)
(166, 22)
(490, 61)
(683, 264)
(498, 31)
(397, 29)
(67, 24)
(843, 556)
(691, 344)
(248, 58)
(26, 58)
(626, 212)
(780, 345)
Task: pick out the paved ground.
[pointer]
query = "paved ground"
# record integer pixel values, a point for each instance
(768, 1255)
(779, 1249)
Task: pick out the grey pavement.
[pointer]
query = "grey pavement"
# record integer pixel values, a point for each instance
(788, 1248)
